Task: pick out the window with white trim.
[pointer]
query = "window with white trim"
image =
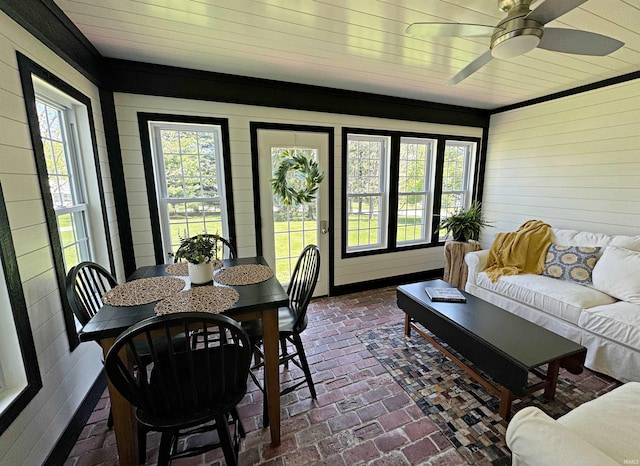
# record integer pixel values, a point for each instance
(367, 193)
(60, 142)
(189, 172)
(456, 178)
(415, 193)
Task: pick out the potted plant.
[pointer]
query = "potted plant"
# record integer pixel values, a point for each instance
(200, 252)
(466, 224)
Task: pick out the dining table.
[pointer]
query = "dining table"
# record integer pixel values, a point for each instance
(255, 301)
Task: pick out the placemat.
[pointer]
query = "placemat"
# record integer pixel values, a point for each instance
(246, 274)
(143, 291)
(214, 299)
(182, 268)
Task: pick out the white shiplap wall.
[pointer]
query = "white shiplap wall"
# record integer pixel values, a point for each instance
(347, 271)
(66, 376)
(573, 163)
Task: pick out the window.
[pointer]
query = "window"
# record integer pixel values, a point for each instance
(392, 199)
(19, 371)
(190, 181)
(60, 143)
(367, 193)
(66, 156)
(456, 191)
(414, 190)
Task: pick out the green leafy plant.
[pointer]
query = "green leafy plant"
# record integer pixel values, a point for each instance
(199, 249)
(466, 224)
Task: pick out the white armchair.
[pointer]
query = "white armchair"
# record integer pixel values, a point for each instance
(601, 432)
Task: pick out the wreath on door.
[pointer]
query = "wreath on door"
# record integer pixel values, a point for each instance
(302, 168)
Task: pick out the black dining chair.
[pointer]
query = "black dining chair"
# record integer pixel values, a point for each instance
(228, 252)
(187, 391)
(86, 282)
(292, 321)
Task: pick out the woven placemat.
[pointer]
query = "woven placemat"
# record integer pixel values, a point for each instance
(143, 291)
(182, 268)
(214, 299)
(247, 274)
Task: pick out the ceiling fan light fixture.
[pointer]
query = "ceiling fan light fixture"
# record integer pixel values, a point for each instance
(514, 46)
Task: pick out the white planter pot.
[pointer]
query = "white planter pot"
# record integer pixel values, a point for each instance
(200, 273)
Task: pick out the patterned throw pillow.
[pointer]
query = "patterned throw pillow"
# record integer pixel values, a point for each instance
(574, 263)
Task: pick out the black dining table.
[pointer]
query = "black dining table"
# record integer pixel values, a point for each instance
(259, 300)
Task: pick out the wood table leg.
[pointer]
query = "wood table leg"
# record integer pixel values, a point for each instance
(124, 421)
(407, 325)
(506, 398)
(272, 381)
(552, 379)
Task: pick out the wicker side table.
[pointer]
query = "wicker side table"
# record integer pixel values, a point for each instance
(455, 269)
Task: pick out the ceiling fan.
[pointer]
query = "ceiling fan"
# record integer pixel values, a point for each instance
(520, 32)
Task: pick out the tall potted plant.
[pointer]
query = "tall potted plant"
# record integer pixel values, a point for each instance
(200, 252)
(465, 225)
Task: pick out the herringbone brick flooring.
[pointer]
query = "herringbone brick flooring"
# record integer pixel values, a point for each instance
(361, 416)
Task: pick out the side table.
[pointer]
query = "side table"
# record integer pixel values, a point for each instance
(455, 269)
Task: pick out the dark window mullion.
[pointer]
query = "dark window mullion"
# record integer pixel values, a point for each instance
(437, 190)
(394, 171)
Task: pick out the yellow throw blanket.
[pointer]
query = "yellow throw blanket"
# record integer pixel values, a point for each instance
(521, 251)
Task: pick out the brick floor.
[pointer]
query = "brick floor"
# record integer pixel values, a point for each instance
(362, 416)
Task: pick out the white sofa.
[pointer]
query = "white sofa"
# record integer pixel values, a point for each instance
(606, 321)
(601, 432)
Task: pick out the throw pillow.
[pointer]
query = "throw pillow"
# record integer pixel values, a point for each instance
(617, 273)
(574, 263)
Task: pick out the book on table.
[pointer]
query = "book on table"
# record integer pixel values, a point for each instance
(445, 295)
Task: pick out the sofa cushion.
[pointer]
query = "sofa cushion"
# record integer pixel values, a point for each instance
(619, 322)
(626, 242)
(611, 422)
(560, 298)
(579, 238)
(618, 273)
(573, 263)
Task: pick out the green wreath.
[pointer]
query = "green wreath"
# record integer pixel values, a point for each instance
(304, 169)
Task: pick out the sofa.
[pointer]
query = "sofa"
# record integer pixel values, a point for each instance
(601, 432)
(601, 313)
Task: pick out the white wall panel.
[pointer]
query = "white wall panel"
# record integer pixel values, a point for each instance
(347, 271)
(572, 163)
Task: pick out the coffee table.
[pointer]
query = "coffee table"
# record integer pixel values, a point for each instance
(502, 345)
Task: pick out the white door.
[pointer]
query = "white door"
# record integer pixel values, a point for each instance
(286, 230)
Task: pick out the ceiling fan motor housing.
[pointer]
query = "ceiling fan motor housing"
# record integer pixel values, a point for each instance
(515, 35)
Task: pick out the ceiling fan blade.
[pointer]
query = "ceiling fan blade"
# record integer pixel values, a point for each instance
(552, 9)
(578, 42)
(471, 68)
(449, 30)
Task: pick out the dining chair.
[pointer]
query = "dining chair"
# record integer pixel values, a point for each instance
(292, 321)
(187, 391)
(86, 282)
(228, 252)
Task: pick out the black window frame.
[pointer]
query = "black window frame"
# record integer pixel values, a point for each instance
(144, 119)
(15, 293)
(394, 155)
(28, 68)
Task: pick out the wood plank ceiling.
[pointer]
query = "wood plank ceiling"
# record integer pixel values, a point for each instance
(357, 45)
